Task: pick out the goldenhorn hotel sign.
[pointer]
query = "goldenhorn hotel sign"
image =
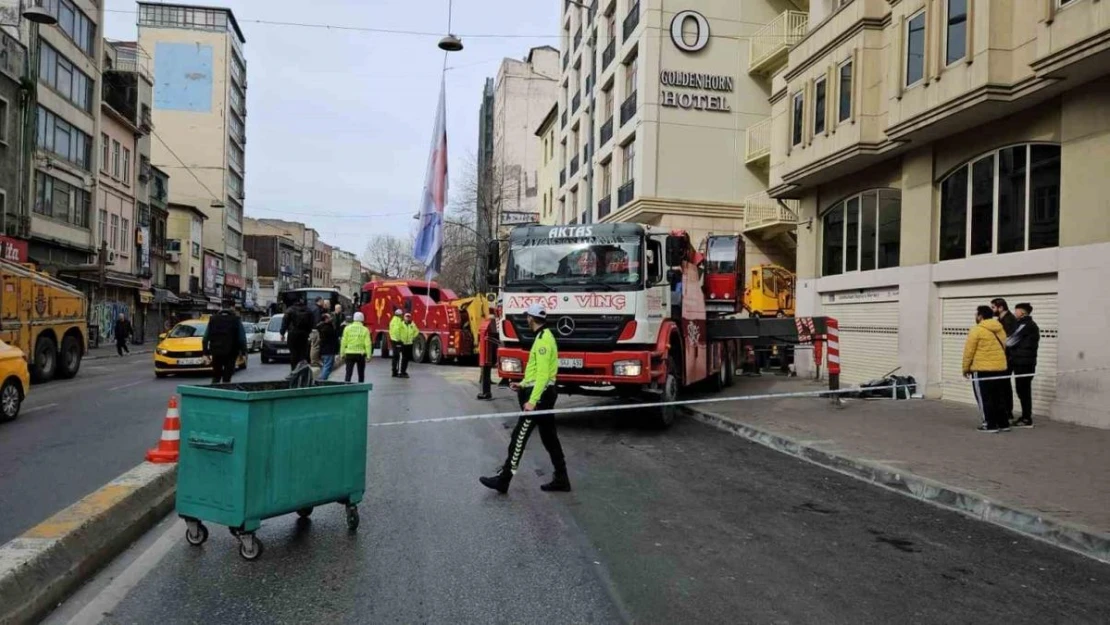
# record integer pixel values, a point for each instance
(692, 90)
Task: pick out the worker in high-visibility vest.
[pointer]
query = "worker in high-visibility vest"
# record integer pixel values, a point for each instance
(396, 329)
(408, 332)
(536, 391)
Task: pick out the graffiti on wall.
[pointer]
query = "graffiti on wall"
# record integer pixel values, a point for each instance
(104, 315)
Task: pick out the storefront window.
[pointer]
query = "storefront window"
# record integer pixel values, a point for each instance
(862, 233)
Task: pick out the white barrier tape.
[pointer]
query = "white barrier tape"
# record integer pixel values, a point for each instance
(640, 406)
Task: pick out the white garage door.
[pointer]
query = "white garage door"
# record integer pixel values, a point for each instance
(958, 315)
(868, 339)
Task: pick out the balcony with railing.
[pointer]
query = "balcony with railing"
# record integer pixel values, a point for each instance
(628, 108)
(625, 193)
(575, 102)
(604, 207)
(609, 54)
(607, 131)
(768, 46)
(631, 21)
(146, 119)
(757, 148)
(768, 217)
(574, 165)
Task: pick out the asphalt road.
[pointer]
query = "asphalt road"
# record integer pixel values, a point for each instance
(688, 525)
(74, 436)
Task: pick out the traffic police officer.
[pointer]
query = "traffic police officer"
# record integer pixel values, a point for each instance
(536, 392)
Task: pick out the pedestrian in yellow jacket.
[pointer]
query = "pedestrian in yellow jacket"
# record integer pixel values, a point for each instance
(985, 364)
(355, 348)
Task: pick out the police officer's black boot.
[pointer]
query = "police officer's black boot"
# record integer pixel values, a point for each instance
(499, 482)
(559, 484)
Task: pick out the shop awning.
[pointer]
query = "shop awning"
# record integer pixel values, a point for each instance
(165, 296)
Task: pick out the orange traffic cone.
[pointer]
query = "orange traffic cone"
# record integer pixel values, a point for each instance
(170, 443)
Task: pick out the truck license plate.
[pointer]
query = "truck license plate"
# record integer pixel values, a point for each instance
(190, 361)
(571, 363)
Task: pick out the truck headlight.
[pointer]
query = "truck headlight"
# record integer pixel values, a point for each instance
(627, 368)
(510, 365)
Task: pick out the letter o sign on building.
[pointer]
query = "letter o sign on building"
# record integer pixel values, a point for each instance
(701, 35)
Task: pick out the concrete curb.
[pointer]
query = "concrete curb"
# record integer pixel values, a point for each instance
(134, 352)
(1081, 540)
(40, 568)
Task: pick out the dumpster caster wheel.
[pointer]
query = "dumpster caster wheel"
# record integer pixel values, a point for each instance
(196, 533)
(304, 513)
(250, 548)
(352, 518)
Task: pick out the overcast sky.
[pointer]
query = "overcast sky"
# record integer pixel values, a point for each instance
(339, 122)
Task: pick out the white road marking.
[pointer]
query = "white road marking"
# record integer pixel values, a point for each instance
(42, 407)
(106, 600)
(123, 386)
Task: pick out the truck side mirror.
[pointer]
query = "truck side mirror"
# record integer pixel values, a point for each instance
(493, 263)
(676, 250)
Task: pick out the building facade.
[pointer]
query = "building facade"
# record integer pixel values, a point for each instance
(942, 154)
(279, 259)
(200, 113)
(321, 265)
(522, 97)
(657, 104)
(13, 165)
(185, 253)
(346, 273)
(548, 179)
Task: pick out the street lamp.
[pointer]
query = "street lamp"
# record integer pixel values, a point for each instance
(38, 15)
(450, 43)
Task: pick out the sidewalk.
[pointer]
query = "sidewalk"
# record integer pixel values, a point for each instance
(1052, 482)
(108, 350)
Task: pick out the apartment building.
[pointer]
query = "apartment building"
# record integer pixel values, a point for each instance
(321, 265)
(184, 251)
(522, 96)
(656, 105)
(12, 164)
(548, 179)
(943, 153)
(305, 238)
(346, 273)
(66, 106)
(200, 115)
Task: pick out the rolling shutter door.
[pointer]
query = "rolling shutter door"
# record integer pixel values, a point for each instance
(868, 339)
(958, 315)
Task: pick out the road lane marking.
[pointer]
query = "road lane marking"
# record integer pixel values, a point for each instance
(123, 386)
(36, 408)
(107, 599)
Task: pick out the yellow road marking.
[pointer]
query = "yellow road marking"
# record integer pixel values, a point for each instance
(74, 516)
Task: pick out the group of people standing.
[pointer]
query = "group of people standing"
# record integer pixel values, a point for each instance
(1000, 355)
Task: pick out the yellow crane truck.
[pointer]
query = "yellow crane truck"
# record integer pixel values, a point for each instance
(44, 317)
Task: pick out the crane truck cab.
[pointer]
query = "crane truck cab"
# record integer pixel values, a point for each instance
(626, 303)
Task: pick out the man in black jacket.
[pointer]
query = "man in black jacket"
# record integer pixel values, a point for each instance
(1009, 324)
(1021, 353)
(329, 345)
(296, 326)
(122, 332)
(224, 339)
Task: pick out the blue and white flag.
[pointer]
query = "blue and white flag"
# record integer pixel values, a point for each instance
(429, 240)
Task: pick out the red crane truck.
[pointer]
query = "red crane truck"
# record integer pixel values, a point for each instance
(636, 310)
(448, 325)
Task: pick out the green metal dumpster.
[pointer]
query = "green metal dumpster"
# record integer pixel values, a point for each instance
(256, 450)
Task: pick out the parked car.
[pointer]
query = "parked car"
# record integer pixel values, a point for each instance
(254, 336)
(15, 381)
(274, 349)
(181, 350)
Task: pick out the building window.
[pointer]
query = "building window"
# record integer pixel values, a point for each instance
(125, 236)
(630, 71)
(607, 179)
(797, 119)
(114, 241)
(845, 92)
(1005, 201)
(57, 72)
(628, 171)
(862, 233)
(915, 49)
(104, 153)
(126, 167)
(4, 121)
(115, 158)
(102, 228)
(819, 89)
(57, 136)
(75, 24)
(956, 32)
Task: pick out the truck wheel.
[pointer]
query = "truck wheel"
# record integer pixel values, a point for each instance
(664, 415)
(730, 369)
(435, 351)
(420, 349)
(46, 360)
(70, 361)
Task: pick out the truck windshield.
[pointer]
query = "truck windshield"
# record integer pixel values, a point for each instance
(722, 255)
(575, 263)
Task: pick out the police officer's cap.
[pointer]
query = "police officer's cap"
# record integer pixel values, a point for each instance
(537, 311)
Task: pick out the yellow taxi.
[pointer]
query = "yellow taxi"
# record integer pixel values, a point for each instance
(181, 350)
(15, 381)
